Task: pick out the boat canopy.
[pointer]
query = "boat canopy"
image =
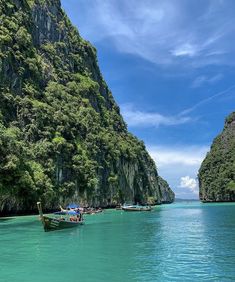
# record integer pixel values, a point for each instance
(67, 212)
(72, 206)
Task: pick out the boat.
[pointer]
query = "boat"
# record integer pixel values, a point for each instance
(60, 220)
(136, 208)
(92, 210)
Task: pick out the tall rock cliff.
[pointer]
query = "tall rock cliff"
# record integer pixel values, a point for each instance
(217, 172)
(62, 136)
(167, 195)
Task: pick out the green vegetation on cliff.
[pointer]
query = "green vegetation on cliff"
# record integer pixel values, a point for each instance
(61, 134)
(217, 172)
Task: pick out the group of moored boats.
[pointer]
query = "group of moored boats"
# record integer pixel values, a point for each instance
(72, 216)
(129, 207)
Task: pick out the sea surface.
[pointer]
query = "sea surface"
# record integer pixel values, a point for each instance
(186, 241)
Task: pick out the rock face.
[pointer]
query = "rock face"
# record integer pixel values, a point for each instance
(217, 172)
(62, 137)
(167, 195)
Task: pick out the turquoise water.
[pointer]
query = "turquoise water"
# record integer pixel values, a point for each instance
(179, 242)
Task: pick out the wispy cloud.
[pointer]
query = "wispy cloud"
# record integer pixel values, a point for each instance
(185, 50)
(165, 32)
(204, 79)
(206, 100)
(136, 118)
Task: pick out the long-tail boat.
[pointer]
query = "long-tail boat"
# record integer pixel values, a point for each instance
(60, 220)
(136, 208)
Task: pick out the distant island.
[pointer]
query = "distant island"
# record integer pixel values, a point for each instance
(217, 172)
(61, 133)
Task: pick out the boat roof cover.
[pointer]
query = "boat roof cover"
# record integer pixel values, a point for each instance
(67, 212)
(72, 206)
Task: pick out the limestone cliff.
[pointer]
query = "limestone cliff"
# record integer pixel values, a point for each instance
(217, 172)
(61, 133)
(167, 195)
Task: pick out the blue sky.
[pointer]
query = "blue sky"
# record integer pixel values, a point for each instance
(170, 66)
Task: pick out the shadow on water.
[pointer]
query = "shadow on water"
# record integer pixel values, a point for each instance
(18, 223)
(5, 219)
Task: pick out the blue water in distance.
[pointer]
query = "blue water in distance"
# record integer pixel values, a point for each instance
(186, 241)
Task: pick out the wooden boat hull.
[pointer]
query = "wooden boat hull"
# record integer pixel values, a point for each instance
(51, 224)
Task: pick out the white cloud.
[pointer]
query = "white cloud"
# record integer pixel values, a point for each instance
(185, 50)
(138, 118)
(164, 32)
(203, 79)
(173, 163)
(189, 183)
(183, 155)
